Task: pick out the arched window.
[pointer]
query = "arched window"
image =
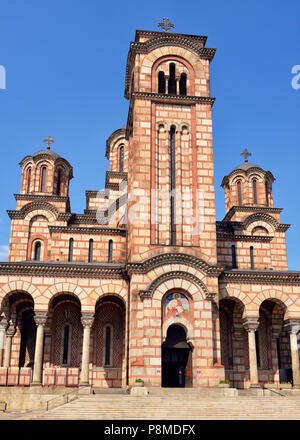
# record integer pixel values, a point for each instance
(43, 179)
(91, 246)
(161, 82)
(37, 251)
(182, 84)
(239, 188)
(58, 184)
(172, 185)
(66, 339)
(110, 251)
(108, 330)
(233, 256)
(71, 243)
(28, 180)
(252, 257)
(172, 80)
(267, 193)
(121, 159)
(254, 185)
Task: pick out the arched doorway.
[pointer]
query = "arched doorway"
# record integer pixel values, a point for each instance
(176, 359)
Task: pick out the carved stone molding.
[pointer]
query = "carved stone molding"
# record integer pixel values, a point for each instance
(260, 277)
(174, 99)
(240, 237)
(11, 330)
(84, 270)
(148, 293)
(292, 325)
(88, 230)
(255, 210)
(87, 319)
(40, 318)
(174, 258)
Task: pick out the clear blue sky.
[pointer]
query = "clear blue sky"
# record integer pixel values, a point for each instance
(65, 64)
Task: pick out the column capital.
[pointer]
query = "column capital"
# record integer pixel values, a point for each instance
(250, 323)
(87, 319)
(40, 317)
(3, 321)
(11, 330)
(292, 325)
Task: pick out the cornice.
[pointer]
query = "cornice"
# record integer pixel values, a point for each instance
(115, 175)
(142, 33)
(254, 209)
(173, 258)
(87, 231)
(41, 198)
(240, 237)
(48, 269)
(36, 206)
(260, 277)
(173, 99)
(94, 193)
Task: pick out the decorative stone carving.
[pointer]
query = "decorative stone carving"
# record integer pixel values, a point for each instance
(87, 319)
(292, 326)
(250, 324)
(40, 318)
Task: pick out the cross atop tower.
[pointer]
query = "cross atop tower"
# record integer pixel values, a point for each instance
(49, 141)
(246, 154)
(165, 24)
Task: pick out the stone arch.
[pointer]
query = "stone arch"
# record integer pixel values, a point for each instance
(187, 326)
(229, 292)
(41, 208)
(67, 288)
(186, 54)
(18, 286)
(266, 219)
(279, 298)
(110, 290)
(180, 280)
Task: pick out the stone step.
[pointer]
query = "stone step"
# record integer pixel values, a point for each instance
(112, 406)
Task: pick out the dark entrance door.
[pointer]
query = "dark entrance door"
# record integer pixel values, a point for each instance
(176, 358)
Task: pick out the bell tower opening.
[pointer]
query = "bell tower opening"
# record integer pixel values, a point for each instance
(176, 359)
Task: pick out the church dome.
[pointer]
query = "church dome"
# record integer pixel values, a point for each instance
(48, 152)
(248, 184)
(246, 166)
(46, 172)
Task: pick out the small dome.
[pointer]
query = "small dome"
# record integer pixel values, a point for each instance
(48, 152)
(246, 166)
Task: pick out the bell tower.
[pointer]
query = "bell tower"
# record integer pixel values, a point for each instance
(171, 205)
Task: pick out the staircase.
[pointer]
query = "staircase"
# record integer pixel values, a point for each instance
(173, 404)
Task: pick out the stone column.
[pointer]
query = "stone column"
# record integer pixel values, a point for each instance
(87, 322)
(40, 319)
(251, 325)
(293, 327)
(11, 330)
(3, 327)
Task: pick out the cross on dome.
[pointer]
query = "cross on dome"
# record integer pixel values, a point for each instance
(49, 141)
(246, 154)
(165, 24)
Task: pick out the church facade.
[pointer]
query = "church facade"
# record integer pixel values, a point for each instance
(146, 284)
